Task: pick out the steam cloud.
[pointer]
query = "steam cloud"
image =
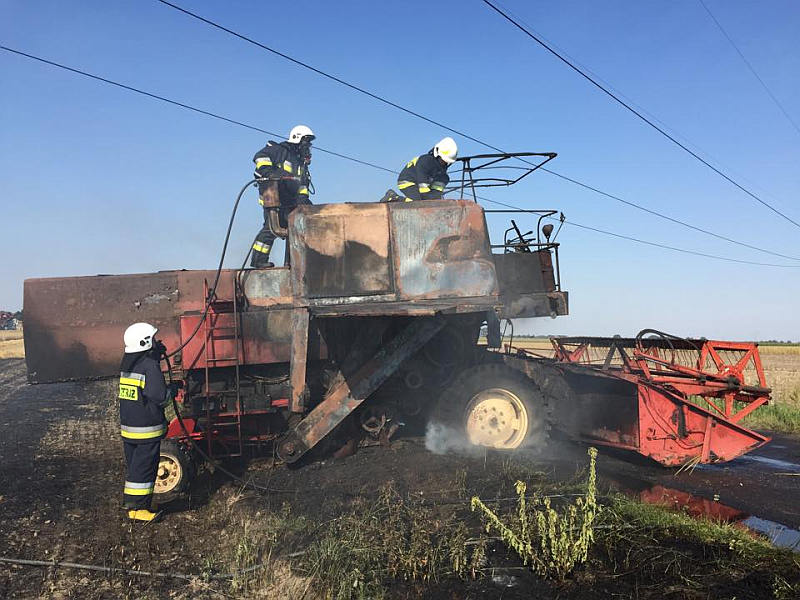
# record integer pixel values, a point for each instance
(442, 439)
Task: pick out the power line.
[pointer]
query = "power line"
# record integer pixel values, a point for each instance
(365, 163)
(634, 111)
(752, 70)
(457, 132)
(180, 104)
(655, 118)
(646, 242)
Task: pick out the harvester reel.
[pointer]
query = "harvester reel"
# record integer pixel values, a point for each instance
(495, 406)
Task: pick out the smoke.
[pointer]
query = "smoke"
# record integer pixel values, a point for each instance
(443, 439)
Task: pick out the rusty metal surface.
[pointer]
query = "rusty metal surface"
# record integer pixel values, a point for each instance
(299, 358)
(74, 325)
(441, 250)
(350, 253)
(340, 250)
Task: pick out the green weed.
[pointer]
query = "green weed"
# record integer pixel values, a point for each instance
(551, 542)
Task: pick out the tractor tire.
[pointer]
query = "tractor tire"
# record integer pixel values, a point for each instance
(495, 406)
(176, 469)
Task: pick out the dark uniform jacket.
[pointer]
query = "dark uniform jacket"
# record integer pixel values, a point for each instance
(427, 174)
(282, 160)
(142, 397)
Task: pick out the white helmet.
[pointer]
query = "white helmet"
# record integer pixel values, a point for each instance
(297, 134)
(139, 337)
(447, 150)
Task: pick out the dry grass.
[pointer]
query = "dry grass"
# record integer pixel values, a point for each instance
(11, 345)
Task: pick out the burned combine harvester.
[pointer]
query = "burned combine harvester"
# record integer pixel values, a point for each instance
(376, 322)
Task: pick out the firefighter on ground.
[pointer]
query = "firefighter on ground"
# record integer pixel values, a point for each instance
(143, 394)
(288, 161)
(425, 177)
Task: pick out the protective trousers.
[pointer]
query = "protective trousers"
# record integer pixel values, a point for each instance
(142, 460)
(264, 240)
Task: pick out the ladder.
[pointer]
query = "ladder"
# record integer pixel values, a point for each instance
(223, 425)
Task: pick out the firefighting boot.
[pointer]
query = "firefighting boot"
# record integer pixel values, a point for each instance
(260, 258)
(144, 515)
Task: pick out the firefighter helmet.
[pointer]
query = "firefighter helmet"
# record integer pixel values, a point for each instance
(139, 337)
(447, 150)
(297, 134)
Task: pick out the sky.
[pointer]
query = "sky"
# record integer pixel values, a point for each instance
(95, 179)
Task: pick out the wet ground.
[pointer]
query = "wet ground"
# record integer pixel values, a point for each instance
(62, 471)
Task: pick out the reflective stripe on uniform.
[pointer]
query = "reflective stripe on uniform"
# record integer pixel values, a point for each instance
(423, 188)
(143, 433)
(408, 200)
(412, 162)
(263, 162)
(261, 201)
(287, 166)
(264, 248)
(303, 190)
(139, 489)
(405, 184)
(438, 186)
(135, 379)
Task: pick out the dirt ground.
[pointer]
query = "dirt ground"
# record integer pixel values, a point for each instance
(62, 473)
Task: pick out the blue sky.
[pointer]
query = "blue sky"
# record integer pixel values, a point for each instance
(94, 179)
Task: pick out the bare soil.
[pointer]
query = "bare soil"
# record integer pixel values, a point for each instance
(62, 473)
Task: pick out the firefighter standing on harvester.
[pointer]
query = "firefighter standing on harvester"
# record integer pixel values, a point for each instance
(288, 163)
(425, 177)
(143, 394)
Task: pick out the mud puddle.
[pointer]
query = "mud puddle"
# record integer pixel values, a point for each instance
(772, 463)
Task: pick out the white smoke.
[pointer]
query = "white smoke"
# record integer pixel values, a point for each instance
(443, 439)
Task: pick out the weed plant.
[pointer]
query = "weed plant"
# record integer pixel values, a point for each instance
(552, 542)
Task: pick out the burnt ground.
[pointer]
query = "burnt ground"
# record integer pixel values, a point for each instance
(61, 470)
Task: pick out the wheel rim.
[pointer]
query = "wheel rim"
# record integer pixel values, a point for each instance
(496, 418)
(169, 474)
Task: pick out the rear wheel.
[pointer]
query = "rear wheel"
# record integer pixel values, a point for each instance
(175, 468)
(495, 406)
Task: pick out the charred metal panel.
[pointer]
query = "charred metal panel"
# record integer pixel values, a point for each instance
(74, 325)
(525, 272)
(266, 339)
(267, 287)
(551, 304)
(441, 250)
(340, 250)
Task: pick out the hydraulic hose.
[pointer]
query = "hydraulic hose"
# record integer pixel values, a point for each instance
(213, 289)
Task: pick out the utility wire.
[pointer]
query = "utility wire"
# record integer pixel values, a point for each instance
(749, 66)
(476, 140)
(181, 104)
(634, 111)
(653, 117)
(350, 158)
(646, 242)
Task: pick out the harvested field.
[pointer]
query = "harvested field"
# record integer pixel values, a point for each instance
(383, 523)
(11, 344)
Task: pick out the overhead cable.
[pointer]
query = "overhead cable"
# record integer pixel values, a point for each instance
(365, 163)
(749, 66)
(481, 142)
(616, 98)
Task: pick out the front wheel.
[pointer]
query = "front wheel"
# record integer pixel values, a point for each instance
(175, 468)
(495, 406)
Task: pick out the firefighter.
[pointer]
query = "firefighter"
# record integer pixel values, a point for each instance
(425, 177)
(282, 160)
(143, 394)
